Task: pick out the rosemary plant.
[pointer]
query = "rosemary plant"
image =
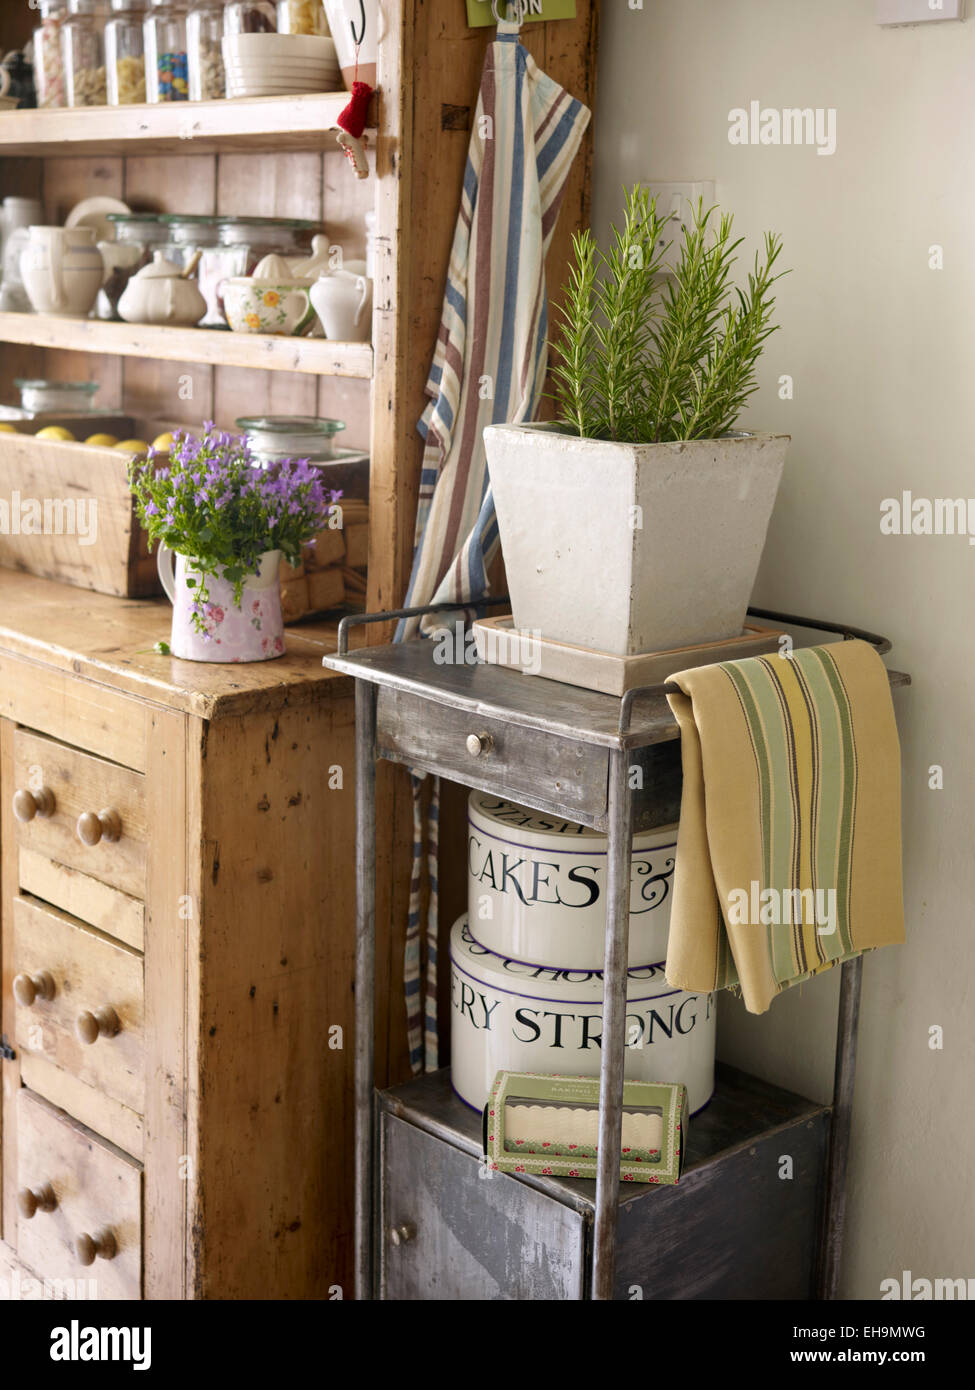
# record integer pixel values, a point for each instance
(641, 364)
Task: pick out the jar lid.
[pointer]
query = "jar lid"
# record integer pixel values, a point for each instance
(293, 224)
(41, 384)
(547, 982)
(535, 830)
(291, 424)
(196, 218)
(126, 217)
(159, 269)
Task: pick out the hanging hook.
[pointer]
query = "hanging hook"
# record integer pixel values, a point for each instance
(357, 38)
(520, 8)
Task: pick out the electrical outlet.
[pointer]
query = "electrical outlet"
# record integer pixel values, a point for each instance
(678, 203)
(919, 11)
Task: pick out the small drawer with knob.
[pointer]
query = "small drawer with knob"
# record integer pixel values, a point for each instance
(491, 754)
(80, 810)
(78, 1001)
(79, 1205)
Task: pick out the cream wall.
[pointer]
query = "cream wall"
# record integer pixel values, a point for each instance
(882, 352)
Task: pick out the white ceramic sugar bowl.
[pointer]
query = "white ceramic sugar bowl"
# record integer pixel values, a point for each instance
(160, 294)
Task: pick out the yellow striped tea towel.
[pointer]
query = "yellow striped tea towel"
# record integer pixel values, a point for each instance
(789, 848)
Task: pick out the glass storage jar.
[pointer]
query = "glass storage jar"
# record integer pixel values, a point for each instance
(186, 234)
(165, 42)
(83, 54)
(274, 438)
(137, 235)
(204, 45)
(125, 59)
(302, 17)
(48, 63)
(72, 397)
(251, 17)
(242, 242)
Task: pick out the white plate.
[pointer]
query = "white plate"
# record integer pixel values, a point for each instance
(93, 212)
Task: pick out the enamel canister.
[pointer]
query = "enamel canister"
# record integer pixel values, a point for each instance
(509, 1016)
(536, 886)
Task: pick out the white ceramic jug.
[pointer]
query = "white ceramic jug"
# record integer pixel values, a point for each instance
(343, 302)
(62, 269)
(16, 215)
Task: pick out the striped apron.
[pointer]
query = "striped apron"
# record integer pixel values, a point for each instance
(488, 368)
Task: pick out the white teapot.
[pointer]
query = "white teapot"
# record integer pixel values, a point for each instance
(159, 293)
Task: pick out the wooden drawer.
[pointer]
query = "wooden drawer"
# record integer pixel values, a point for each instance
(563, 772)
(55, 785)
(89, 974)
(97, 1193)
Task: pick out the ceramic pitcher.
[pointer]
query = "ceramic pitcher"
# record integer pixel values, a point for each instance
(252, 632)
(343, 302)
(62, 270)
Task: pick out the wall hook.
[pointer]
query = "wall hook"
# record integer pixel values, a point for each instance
(357, 38)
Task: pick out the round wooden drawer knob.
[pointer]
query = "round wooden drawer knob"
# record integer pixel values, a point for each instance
(29, 988)
(103, 1023)
(35, 1199)
(27, 804)
(87, 1247)
(478, 745)
(107, 825)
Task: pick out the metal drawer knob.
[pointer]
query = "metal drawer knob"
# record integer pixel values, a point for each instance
(29, 988)
(107, 825)
(86, 1247)
(27, 804)
(478, 745)
(399, 1235)
(103, 1023)
(35, 1199)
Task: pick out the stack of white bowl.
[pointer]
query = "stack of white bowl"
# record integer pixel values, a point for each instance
(269, 65)
(526, 959)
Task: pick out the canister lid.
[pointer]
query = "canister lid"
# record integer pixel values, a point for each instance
(536, 830)
(547, 982)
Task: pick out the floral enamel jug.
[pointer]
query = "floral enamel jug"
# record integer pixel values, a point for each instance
(252, 632)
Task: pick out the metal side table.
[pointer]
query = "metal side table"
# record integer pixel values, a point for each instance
(567, 752)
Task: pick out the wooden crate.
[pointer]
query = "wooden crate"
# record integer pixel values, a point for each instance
(66, 513)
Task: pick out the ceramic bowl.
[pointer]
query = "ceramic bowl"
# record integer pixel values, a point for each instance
(278, 47)
(267, 306)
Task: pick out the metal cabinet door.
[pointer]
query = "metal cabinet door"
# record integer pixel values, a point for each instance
(469, 1237)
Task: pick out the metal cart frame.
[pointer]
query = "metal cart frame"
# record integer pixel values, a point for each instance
(560, 721)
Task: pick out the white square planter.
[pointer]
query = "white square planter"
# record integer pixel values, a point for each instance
(629, 548)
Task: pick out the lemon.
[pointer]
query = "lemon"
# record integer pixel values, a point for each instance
(163, 443)
(133, 446)
(6, 428)
(105, 441)
(54, 432)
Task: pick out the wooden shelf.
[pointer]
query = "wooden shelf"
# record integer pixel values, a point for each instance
(319, 356)
(199, 127)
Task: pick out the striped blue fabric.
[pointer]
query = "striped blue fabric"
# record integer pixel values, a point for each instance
(488, 368)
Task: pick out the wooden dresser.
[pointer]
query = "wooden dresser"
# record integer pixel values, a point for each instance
(178, 941)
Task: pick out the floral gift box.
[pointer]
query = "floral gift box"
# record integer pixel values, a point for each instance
(548, 1125)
